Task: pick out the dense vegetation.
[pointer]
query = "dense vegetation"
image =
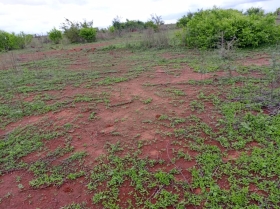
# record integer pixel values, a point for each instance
(136, 25)
(55, 35)
(205, 28)
(202, 29)
(77, 32)
(10, 41)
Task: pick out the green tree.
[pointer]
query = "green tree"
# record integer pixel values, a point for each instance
(55, 35)
(88, 34)
(254, 11)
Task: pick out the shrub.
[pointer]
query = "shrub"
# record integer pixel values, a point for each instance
(277, 11)
(254, 11)
(19, 41)
(155, 22)
(151, 24)
(14, 41)
(77, 32)
(55, 35)
(71, 31)
(111, 29)
(118, 25)
(10, 41)
(253, 30)
(183, 21)
(27, 38)
(4, 41)
(133, 25)
(129, 25)
(23, 40)
(88, 34)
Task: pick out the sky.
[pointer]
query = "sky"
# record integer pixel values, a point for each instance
(40, 16)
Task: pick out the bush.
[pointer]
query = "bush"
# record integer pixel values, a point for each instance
(277, 11)
(205, 27)
(151, 24)
(72, 31)
(19, 41)
(4, 41)
(88, 34)
(27, 39)
(23, 40)
(155, 22)
(55, 35)
(183, 21)
(10, 41)
(111, 29)
(254, 11)
(14, 41)
(119, 27)
(133, 25)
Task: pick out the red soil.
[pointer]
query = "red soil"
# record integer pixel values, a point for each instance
(126, 117)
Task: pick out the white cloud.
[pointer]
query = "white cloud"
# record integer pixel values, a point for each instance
(39, 16)
(24, 2)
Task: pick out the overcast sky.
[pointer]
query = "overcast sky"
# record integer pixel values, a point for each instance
(40, 16)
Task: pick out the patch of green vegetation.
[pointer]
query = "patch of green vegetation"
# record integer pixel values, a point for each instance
(13, 112)
(164, 178)
(111, 80)
(47, 175)
(147, 101)
(73, 176)
(197, 105)
(176, 92)
(75, 206)
(175, 121)
(130, 168)
(20, 143)
(92, 116)
(83, 98)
